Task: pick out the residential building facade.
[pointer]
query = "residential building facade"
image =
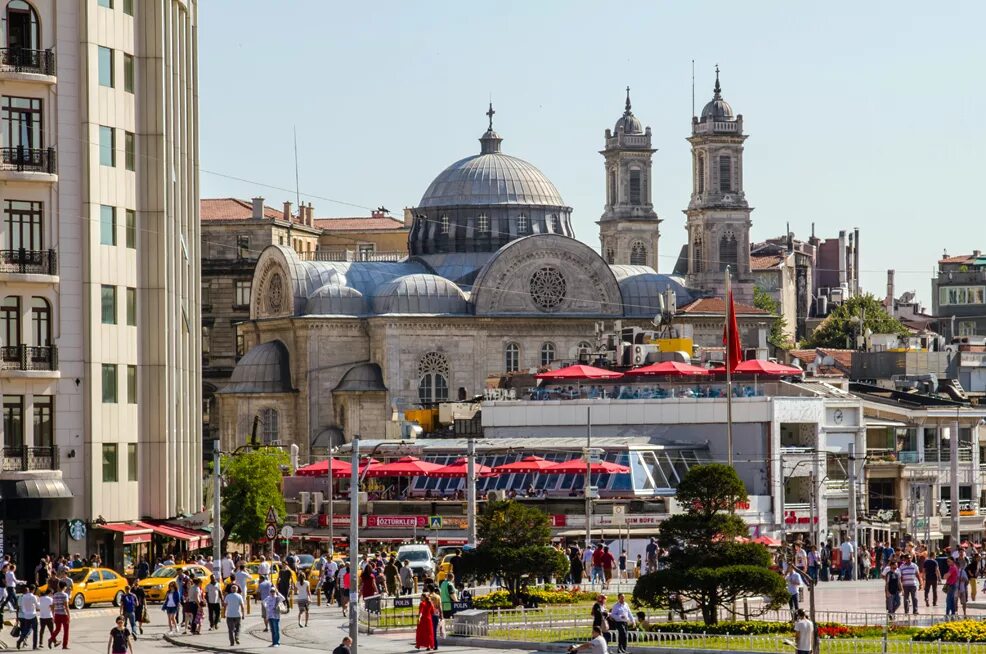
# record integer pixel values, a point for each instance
(958, 295)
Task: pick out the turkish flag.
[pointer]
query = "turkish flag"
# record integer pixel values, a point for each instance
(730, 335)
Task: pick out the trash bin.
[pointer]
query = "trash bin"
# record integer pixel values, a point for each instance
(472, 622)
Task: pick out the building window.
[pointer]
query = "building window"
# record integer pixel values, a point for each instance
(511, 357)
(128, 7)
(131, 228)
(109, 383)
(522, 224)
(132, 307)
(24, 226)
(584, 347)
(240, 345)
(131, 461)
(41, 321)
(270, 429)
(725, 173)
(553, 222)
(206, 340)
(612, 187)
(433, 374)
(444, 224)
(962, 295)
(967, 328)
(13, 420)
(131, 384)
(728, 252)
(484, 225)
(610, 256)
(365, 251)
(638, 254)
(107, 225)
(107, 146)
(700, 163)
(697, 255)
(105, 60)
(635, 195)
(10, 317)
(128, 72)
(44, 427)
(242, 298)
(108, 302)
(129, 151)
(22, 123)
(547, 354)
(22, 26)
(106, 3)
(110, 462)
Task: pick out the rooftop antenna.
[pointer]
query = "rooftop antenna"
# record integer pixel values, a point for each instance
(693, 87)
(297, 184)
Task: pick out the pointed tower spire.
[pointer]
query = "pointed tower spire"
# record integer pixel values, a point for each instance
(718, 89)
(628, 112)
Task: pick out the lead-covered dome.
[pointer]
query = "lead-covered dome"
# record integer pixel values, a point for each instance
(424, 294)
(717, 108)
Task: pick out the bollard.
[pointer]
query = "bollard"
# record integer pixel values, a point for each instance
(247, 602)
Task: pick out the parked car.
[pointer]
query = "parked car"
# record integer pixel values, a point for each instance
(94, 585)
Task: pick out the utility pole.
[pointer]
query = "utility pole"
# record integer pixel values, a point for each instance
(354, 547)
(954, 511)
(588, 478)
(852, 506)
(217, 525)
(471, 490)
(780, 457)
(318, 509)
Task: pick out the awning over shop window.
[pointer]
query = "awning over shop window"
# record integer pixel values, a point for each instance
(195, 539)
(131, 533)
(35, 498)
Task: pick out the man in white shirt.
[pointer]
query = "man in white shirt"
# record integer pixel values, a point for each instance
(596, 646)
(848, 551)
(264, 568)
(213, 595)
(226, 568)
(234, 614)
(27, 611)
(794, 583)
(328, 579)
(622, 616)
(804, 632)
(242, 579)
(910, 580)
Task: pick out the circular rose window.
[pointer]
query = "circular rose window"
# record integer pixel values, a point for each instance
(548, 288)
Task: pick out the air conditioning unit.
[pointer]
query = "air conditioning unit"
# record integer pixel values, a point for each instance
(640, 352)
(317, 502)
(303, 501)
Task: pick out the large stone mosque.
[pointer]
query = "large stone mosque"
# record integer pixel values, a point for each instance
(495, 282)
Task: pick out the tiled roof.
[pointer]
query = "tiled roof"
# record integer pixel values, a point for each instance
(765, 262)
(804, 356)
(841, 358)
(232, 209)
(718, 305)
(359, 224)
(962, 258)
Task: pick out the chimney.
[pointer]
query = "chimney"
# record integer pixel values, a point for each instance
(976, 253)
(286, 216)
(376, 213)
(855, 261)
(842, 260)
(311, 215)
(408, 216)
(890, 292)
(258, 208)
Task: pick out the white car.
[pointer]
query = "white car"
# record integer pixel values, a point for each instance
(419, 557)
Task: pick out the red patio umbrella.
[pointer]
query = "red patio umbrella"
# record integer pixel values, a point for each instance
(764, 367)
(578, 466)
(340, 468)
(460, 468)
(408, 466)
(527, 464)
(577, 372)
(767, 541)
(675, 368)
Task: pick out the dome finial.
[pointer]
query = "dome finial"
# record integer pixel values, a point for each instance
(718, 89)
(490, 140)
(627, 112)
(490, 113)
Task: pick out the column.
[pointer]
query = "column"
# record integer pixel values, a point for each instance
(919, 443)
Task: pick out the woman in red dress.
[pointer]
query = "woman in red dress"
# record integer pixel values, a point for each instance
(425, 634)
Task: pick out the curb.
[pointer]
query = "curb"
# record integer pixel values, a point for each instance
(205, 648)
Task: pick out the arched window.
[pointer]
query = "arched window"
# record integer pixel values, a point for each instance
(511, 357)
(433, 373)
(610, 256)
(547, 353)
(584, 346)
(698, 256)
(522, 225)
(484, 225)
(701, 173)
(638, 254)
(612, 187)
(41, 321)
(444, 224)
(23, 29)
(725, 173)
(10, 321)
(270, 428)
(728, 251)
(635, 187)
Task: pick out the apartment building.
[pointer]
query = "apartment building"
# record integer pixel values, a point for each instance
(99, 272)
(958, 295)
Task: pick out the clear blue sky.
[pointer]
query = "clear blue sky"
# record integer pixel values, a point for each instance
(860, 114)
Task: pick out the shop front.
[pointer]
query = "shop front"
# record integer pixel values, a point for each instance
(121, 544)
(34, 508)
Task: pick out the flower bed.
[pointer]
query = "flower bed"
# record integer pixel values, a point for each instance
(745, 628)
(500, 599)
(960, 631)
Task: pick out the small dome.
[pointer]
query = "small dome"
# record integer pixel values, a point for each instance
(428, 294)
(642, 290)
(364, 377)
(333, 300)
(629, 123)
(717, 108)
(266, 368)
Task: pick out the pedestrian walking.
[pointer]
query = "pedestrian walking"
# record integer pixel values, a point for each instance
(391, 575)
(342, 589)
(128, 609)
(600, 616)
(45, 616)
(264, 589)
(804, 633)
(622, 618)
(574, 566)
(273, 605)
(910, 580)
(932, 575)
(233, 601)
(424, 634)
(448, 593)
(847, 552)
(951, 587)
(345, 647)
(436, 613)
(892, 588)
(61, 615)
(27, 614)
(651, 552)
(119, 642)
(304, 598)
(608, 563)
(794, 583)
(170, 605)
(213, 597)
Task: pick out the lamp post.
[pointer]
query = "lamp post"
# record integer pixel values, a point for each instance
(588, 478)
(217, 528)
(354, 546)
(471, 491)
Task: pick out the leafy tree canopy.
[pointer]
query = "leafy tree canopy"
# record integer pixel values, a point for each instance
(778, 336)
(841, 327)
(253, 485)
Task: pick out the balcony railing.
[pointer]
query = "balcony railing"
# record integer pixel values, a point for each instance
(30, 262)
(22, 60)
(931, 455)
(34, 160)
(29, 357)
(351, 255)
(29, 458)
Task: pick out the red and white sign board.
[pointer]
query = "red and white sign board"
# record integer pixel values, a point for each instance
(397, 521)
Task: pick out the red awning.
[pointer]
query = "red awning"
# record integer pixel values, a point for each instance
(195, 539)
(131, 533)
(460, 468)
(763, 367)
(674, 368)
(579, 372)
(530, 463)
(321, 469)
(408, 466)
(578, 466)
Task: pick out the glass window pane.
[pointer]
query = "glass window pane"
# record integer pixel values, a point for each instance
(13, 420)
(131, 384)
(108, 300)
(105, 58)
(43, 426)
(129, 151)
(107, 146)
(109, 383)
(132, 307)
(128, 7)
(106, 3)
(107, 225)
(110, 467)
(131, 229)
(128, 73)
(131, 461)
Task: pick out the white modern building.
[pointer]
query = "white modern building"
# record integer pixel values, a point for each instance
(99, 272)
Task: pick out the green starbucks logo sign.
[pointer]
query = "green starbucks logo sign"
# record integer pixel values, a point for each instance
(76, 529)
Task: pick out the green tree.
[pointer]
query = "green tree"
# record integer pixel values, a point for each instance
(515, 545)
(778, 336)
(842, 326)
(253, 485)
(706, 564)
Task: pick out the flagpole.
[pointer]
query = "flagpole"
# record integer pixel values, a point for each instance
(729, 372)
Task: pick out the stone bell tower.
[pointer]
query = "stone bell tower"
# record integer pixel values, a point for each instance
(629, 229)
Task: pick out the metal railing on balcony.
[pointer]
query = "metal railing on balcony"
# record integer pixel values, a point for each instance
(25, 457)
(23, 60)
(30, 262)
(934, 455)
(351, 255)
(29, 357)
(33, 160)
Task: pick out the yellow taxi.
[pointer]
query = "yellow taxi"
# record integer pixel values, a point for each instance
(275, 570)
(156, 586)
(313, 574)
(94, 585)
(444, 567)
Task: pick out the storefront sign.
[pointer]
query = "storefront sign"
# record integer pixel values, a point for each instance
(76, 529)
(607, 521)
(397, 521)
(559, 520)
(337, 520)
(798, 518)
